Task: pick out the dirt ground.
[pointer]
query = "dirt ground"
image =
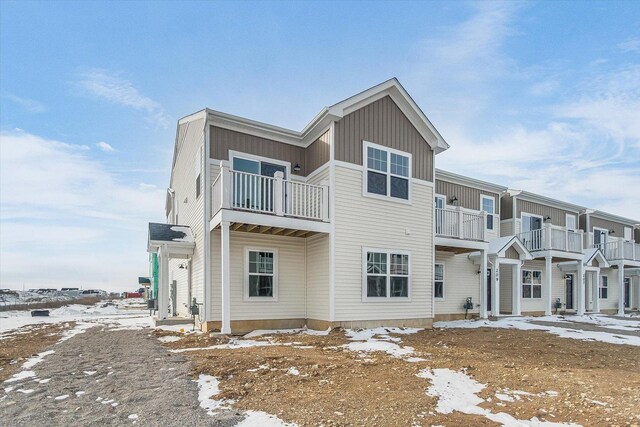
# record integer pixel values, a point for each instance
(596, 383)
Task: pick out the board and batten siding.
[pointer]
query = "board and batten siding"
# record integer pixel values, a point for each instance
(317, 153)
(318, 277)
(461, 280)
(189, 142)
(506, 207)
(507, 273)
(362, 221)
(558, 216)
(383, 123)
(291, 277)
(617, 227)
(468, 197)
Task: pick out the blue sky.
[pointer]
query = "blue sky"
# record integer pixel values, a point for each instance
(543, 96)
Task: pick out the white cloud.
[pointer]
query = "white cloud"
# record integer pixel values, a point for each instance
(104, 146)
(105, 85)
(65, 219)
(630, 45)
(27, 104)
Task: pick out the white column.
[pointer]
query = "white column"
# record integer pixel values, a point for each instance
(595, 284)
(278, 193)
(226, 184)
(548, 281)
(163, 284)
(621, 287)
(225, 266)
(580, 285)
(483, 284)
(495, 288)
(516, 294)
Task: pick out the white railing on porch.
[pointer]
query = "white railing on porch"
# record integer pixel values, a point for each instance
(620, 250)
(552, 237)
(238, 190)
(460, 224)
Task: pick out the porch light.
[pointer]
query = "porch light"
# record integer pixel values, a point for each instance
(547, 219)
(182, 266)
(454, 199)
(612, 231)
(296, 167)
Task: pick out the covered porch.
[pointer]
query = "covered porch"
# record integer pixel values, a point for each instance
(587, 273)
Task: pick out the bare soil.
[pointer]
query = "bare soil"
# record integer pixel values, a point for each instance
(596, 383)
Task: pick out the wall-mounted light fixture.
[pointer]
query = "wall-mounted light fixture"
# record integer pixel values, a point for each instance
(182, 266)
(454, 199)
(612, 231)
(547, 219)
(296, 167)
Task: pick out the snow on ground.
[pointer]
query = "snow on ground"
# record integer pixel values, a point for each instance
(32, 361)
(604, 321)
(458, 392)
(209, 386)
(525, 323)
(233, 344)
(378, 339)
(169, 338)
(262, 332)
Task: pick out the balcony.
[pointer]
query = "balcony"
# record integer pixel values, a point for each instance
(280, 205)
(461, 224)
(620, 251)
(553, 238)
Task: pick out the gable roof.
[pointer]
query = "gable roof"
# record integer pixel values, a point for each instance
(498, 247)
(176, 237)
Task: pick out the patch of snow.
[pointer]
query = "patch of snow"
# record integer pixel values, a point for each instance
(169, 338)
(61, 397)
(7, 390)
(597, 402)
(524, 323)
(293, 371)
(262, 419)
(188, 237)
(208, 386)
(458, 392)
(27, 391)
(80, 393)
(261, 332)
(21, 376)
(315, 332)
(133, 417)
(259, 368)
(90, 373)
(378, 339)
(415, 359)
(32, 361)
(233, 344)
(44, 381)
(185, 328)
(372, 345)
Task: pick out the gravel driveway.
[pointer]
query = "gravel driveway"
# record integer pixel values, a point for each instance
(107, 377)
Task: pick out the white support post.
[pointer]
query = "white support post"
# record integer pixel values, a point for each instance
(595, 285)
(621, 287)
(278, 193)
(483, 284)
(225, 266)
(580, 284)
(461, 225)
(325, 200)
(548, 283)
(484, 227)
(516, 296)
(163, 284)
(547, 236)
(226, 184)
(495, 288)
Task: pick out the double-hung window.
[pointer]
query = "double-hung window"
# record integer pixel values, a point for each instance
(488, 205)
(386, 274)
(438, 282)
(604, 287)
(261, 274)
(387, 171)
(531, 284)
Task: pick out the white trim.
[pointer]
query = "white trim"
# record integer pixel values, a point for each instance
(624, 233)
(533, 216)
(443, 297)
(365, 170)
(541, 284)
(492, 214)
(256, 158)
(247, 217)
(388, 298)
(566, 217)
(318, 171)
(601, 286)
(245, 292)
(332, 226)
(466, 181)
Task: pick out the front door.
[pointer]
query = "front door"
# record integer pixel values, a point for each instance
(627, 292)
(568, 282)
(489, 289)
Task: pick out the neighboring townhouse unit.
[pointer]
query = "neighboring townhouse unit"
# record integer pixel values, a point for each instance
(348, 223)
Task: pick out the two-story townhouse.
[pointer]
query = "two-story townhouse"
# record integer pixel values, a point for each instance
(618, 239)
(468, 241)
(328, 226)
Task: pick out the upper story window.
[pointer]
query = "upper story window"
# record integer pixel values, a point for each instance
(628, 234)
(488, 205)
(571, 222)
(388, 172)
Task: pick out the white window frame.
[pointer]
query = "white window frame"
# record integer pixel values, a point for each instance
(575, 222)
(628, 238)
(256, 158)
(602, 286)
(522, 283)
(387, 298)
(604, 231)
(365, 172)
(246, 296)
(533, 216)
(442, 298)
(435, 213)
(484, 197)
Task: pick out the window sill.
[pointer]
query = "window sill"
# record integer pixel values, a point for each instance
(386, 299)
(387, 198)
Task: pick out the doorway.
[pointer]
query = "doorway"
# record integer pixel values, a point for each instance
(489, 306)
(627, 292)
(568, 283)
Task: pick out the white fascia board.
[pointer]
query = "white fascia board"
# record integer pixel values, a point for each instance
(173, 248)
(460, 243)
(469, 182)
(226, 215)
(543, 200)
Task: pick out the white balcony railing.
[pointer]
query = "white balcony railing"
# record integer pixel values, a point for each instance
(238, 190)
(620, 250)
(460, 224)
(552, 237)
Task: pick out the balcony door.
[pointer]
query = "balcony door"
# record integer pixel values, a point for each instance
(440, 203)
(250, 190)
(600, 239)
(530, 223)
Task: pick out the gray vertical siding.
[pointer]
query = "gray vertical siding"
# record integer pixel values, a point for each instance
(382, 122)
(512, 253)
(223, 140)
(468, 197)
(506, 207)
(582, 222)
(617, 227)
(557, 215)
(317, 154)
